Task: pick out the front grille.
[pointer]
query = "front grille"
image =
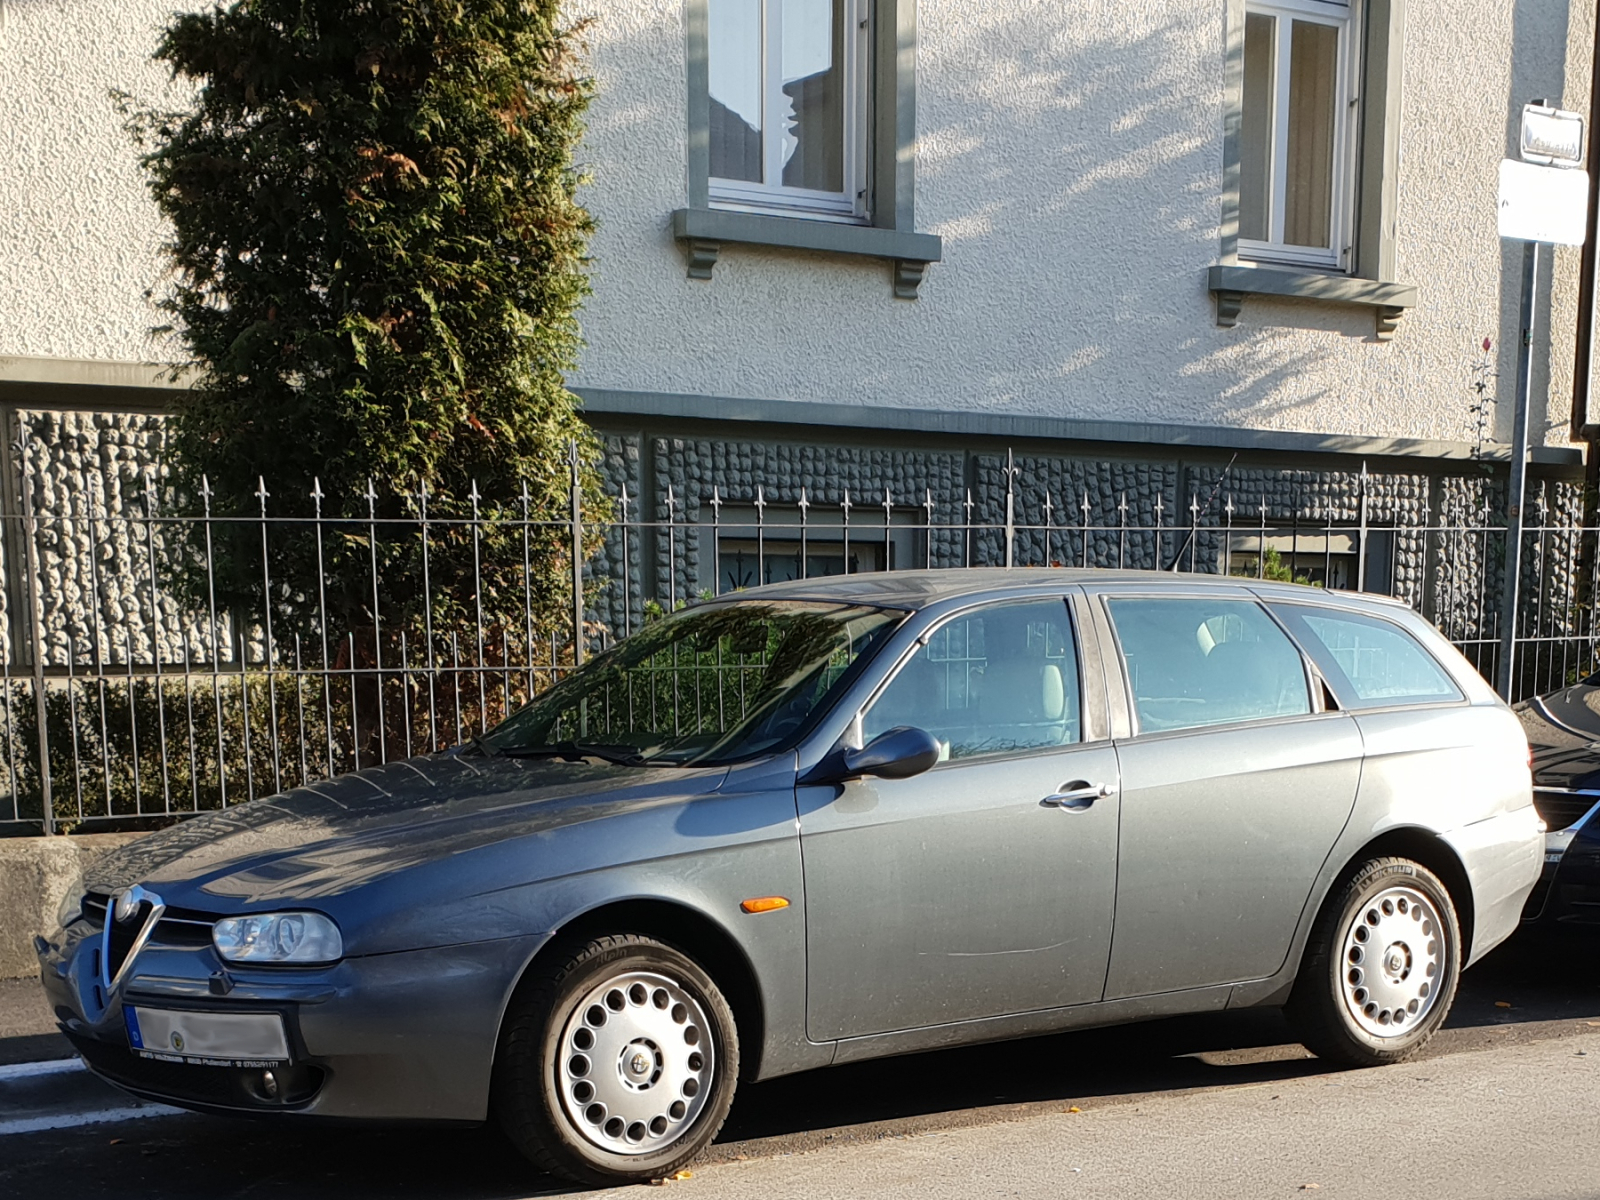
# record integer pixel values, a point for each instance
(1562, 809)
(225, 1087)
(123, 935)
(177, 927)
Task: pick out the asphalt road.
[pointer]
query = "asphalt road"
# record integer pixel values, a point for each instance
(1502, 1105)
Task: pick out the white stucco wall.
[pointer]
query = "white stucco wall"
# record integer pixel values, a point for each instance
(1069, 154)
(78, 231)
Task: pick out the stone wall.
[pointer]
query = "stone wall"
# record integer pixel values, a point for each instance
(102, 547)
(101, 535)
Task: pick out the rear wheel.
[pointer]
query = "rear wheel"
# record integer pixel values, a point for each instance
(617, 1063)
(1380, 971)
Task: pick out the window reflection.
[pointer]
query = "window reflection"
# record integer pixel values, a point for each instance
(813, 138)
(734, 67)
(786, 104)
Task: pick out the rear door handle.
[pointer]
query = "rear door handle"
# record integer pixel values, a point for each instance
(1077, 795)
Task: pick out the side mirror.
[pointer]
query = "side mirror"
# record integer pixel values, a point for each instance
(896, 754)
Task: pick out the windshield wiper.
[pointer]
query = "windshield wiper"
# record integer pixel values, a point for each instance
(576, 752)
(482, 747)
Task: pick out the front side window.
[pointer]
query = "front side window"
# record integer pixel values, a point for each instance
(1369, 663)
(1193, 663)
(998, 680)
(704, 687)
(787, 82)
(1295, 160)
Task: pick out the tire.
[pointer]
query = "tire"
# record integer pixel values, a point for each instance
(1381, 967)
(617, 1062)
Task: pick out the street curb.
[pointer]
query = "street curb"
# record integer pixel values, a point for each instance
(34, 874)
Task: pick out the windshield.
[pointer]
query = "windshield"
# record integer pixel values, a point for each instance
(704, 687)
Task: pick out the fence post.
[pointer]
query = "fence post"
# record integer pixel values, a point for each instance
(36, 635)
(577, 556)
(1010, 511)
(1363, 515)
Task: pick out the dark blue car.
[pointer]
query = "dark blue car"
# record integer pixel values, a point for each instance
(1564, 735)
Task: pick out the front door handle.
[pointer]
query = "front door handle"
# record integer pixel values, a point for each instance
(1077, 795)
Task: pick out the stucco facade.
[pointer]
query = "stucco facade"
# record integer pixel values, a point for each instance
(1068, 154)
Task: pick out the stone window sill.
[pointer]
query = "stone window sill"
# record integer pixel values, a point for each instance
(1231, 284)
(704, 230)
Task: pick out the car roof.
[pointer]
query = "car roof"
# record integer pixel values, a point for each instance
(920, 588)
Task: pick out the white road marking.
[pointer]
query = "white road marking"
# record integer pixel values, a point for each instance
(100, 1117)
(28, 1070)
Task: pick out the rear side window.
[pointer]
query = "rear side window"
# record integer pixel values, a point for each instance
(1368, 662)
(1193, 663)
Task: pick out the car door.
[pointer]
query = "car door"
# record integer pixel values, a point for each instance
(1235, 785)
(972, 890)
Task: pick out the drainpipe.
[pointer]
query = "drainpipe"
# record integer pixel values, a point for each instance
(1584, 427)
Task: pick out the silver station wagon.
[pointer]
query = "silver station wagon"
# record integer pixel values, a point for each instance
(825, 821)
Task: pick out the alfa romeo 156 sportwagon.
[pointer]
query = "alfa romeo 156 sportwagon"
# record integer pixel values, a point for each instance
(825, 821)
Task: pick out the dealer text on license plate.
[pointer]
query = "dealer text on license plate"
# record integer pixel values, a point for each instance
(207, 1038)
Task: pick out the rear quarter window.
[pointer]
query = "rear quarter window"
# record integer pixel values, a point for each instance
(1369, 662)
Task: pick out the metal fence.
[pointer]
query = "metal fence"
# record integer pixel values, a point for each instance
(130, 694)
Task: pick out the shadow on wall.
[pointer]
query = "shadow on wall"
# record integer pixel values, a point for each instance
(1073, 168)
(1108, 141)
(1112, 137)
(1074, 172)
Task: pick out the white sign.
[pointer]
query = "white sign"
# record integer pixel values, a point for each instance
(1551, 136)
(1543, 204)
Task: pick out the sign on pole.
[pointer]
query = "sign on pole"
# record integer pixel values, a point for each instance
(1544, 199)
(1551, 136)
(1543, 204)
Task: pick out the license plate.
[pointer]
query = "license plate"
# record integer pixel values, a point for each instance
(207, 1038)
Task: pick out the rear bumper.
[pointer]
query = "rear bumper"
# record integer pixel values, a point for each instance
(395, 1037)
(1503, 857)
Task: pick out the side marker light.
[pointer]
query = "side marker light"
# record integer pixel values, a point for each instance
(761, 904)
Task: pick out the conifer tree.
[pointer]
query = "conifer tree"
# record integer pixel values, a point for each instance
(377, 264)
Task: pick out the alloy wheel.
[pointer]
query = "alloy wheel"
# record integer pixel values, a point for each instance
(637, 1063)
(1393, 954)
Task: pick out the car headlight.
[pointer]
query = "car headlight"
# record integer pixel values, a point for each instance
(299, 937)
(71, 907)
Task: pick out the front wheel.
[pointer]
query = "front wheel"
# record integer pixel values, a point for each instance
(617, 1062)
(1380, 971)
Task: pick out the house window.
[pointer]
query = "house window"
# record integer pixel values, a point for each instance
(788, 97)
(782, 543)
(1296, 153)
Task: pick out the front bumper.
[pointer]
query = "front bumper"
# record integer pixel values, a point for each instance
(407, 1036)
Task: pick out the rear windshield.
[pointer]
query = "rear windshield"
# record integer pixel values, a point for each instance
(1368, 662)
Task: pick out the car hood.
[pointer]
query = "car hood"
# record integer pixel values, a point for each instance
(1563, 731)
(327, 839)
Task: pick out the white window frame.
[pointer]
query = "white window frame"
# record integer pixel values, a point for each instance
(850, 205)
(1341, 224)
